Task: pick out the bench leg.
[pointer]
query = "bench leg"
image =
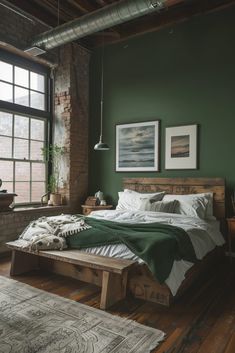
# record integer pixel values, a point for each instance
(113, 288)
(22, 262)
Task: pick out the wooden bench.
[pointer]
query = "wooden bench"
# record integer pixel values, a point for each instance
(108, 273)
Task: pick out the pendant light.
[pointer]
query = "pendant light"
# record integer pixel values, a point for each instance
(101, 146)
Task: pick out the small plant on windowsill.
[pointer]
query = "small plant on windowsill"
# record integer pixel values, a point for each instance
(53, 154)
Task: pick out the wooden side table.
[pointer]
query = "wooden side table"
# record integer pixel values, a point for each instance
(231, 235)
(86, 210)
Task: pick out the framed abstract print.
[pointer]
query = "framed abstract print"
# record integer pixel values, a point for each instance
(181, 147)
(137, 147)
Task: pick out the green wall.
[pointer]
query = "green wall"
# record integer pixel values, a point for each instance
(182, 74)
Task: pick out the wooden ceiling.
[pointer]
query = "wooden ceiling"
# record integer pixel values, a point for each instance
(54, 12)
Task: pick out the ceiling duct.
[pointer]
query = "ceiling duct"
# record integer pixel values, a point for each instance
(109, 16)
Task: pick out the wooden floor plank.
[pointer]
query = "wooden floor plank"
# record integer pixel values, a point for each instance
(222, 330)
(202, 321)
(212, 328)
(230, 348)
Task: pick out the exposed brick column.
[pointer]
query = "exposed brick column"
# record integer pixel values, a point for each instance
(71, 120)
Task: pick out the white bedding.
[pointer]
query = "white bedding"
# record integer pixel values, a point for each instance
(205, 235)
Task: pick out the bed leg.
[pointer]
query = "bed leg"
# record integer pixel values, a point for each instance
(22, 262)
(113, 288)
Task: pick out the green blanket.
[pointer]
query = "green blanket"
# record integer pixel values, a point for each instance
(155, 243)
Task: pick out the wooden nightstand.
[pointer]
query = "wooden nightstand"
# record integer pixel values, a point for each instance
(86, 210)
(231, 234)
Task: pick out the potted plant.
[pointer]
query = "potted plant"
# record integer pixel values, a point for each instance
(53, 154)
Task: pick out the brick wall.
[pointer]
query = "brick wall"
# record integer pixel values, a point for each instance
(17, 30)
(70, 120)
(12, 223)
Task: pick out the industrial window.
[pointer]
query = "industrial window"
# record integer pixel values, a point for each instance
(24, 126)
(21, 86)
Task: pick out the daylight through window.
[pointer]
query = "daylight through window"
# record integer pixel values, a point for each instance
(24, 117)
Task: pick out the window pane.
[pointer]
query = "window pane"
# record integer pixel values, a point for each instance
(6, 71)
(21, 77)
(37, 129)
(6, 92)
(37, 100)
(22, 137)
(5, 147)
(22, 171)
(37, 82)
(7, 186)
(21, 126)
(38, 189)
(6, 172)
(36, 150)
(5, 124)
(38, 172)
(21, 96)
(22, 189)
(21, 149)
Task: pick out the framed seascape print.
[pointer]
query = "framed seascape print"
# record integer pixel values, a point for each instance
(181, 147)
(137, 147)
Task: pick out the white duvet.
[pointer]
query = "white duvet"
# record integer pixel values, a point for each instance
(204, 235)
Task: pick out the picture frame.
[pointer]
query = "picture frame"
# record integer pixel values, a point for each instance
(181, 147)
(137, 147)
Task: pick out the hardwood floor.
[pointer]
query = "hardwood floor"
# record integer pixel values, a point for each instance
(201, 321)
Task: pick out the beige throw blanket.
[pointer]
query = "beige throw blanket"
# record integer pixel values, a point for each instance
(49, 233)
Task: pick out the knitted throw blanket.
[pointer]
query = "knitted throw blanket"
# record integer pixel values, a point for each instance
(50, 233)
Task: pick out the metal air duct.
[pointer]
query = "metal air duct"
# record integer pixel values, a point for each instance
(109, 16)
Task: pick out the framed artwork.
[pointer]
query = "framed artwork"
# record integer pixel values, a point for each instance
(137, 147)
(181, 147)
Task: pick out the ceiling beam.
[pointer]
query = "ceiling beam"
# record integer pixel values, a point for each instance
(46, 11)
(84, 6)
(167, 18)
(52, 8)
(34, 10)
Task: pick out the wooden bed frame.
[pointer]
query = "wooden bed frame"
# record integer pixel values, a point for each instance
(142, 284)
(116, 277)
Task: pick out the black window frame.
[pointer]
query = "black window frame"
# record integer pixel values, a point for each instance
(13, 108)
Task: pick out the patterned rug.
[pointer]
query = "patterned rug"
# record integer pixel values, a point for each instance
(32, 320)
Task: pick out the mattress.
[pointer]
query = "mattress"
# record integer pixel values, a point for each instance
(204, 235)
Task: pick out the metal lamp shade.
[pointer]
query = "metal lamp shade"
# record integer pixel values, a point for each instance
(101, 146)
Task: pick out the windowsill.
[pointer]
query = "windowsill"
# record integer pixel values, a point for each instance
(35, 209)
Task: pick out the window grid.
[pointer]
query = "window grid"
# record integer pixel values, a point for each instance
(12, 142)
(40, 112)
(27, 160)
(30, 182)
(13, 80)
(14, 85)
(17, 85)
(13, 139)
(29, 152)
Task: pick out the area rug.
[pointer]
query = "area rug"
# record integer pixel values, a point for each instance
(32, 320)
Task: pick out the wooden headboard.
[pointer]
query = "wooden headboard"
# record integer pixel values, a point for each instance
(182, 186)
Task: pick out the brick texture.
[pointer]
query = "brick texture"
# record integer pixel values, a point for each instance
(12, 223)
(70, 121)
(19, 31)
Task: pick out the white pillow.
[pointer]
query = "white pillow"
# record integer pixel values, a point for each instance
(209, 208)
(193, 205)
(156, 196)
(159, 206)
(133, 201)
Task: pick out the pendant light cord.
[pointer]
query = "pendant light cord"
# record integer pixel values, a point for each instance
(101, 146)
(102, 89)
(58, 12)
